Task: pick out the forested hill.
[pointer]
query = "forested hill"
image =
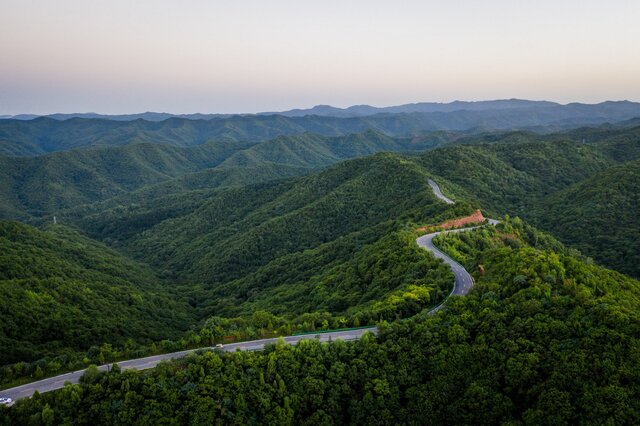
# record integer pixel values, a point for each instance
(333, 248)
(585, 192)
(62, 292)
(512, 172)
(509, 175)
(191, 246)
(43, 135)
(600, 216)
(542, 338)
(43, 185)
(193, 238)
(40, 185)
(257, 247)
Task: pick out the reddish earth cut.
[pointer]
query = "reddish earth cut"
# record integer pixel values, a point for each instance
(476, 217)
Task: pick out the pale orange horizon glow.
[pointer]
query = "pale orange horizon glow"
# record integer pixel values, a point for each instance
(248, 56)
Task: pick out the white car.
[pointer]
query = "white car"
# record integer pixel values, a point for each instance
(6, 400)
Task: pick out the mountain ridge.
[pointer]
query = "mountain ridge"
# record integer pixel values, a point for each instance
(43, 134)
(327, 110)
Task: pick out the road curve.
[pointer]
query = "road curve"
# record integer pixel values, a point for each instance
(462, 279)
(436, 190)
(57, 382)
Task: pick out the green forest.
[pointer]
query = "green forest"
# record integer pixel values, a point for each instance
(64, 292)
(182, 234)
(544, 338)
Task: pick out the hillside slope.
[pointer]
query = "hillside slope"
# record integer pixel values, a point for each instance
(43, 135)
(510, 177)
(44, 185)
(241, 243)
(64, 292)
(41, 185)
(543, 338)
(599, 216)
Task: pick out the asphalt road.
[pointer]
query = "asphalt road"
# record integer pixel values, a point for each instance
(436, 190)
(462, 279)
(462, 284)
(58, 382)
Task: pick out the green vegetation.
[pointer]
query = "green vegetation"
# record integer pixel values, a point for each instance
(327, 250)
(42, 185)
(44, 135)
(599, 216)
(510, 172)
(62, 292)
(512, 177)
(584, 192)
(48, 184)
(166, 247)
(543, 338)
(388, 278)
(288, 247)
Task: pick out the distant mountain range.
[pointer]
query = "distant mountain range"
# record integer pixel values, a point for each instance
(362, 110)
(147, 116)
(50, 134)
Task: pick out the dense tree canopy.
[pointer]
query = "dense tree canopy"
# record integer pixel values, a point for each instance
(62, 292)
(160, 248)
(543, 338)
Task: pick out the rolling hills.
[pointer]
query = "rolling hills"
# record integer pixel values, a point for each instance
(234, 240)
(43, 185)
(506, 173)
(543, 338)
(599, 216)
(36, 186)
(292, 248)
(44, 135)
(240, 236)
(227, 240)
(63, 292)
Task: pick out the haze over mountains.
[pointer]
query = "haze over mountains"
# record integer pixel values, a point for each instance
(45, 134)
(365, 110)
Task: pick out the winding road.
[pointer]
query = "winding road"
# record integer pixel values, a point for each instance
(462, 279)
(436, 190)
(462, 284)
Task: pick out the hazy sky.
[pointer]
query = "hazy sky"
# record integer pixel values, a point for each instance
(116, 56)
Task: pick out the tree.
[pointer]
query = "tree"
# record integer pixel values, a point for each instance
(47, 415)
(90, 375)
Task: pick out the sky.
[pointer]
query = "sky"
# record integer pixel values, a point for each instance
(115, 56)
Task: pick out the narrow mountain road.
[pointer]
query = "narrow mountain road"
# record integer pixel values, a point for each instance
(462, 279)
(462, 284)
(436, 190)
